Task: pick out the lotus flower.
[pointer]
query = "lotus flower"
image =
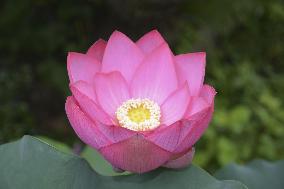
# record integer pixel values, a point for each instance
(138, 104)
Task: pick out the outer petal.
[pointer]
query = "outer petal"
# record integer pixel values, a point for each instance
(111, 90)
(136, 155)
(150, 41)
(83, 126)
(97, 50)
(182, 161)
(194, 128)
(81, 67)
(194, 131)
(122, 55)
(166, 137)
(197, 105)
(175, 105)
(84, 88)
(208, 93)
(156, 77)
(85, 96)
(191, 68)
(201, 103)
(83, 93)
(116, 133)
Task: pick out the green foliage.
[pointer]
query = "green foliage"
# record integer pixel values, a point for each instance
(62, 147)
(98, 163)
(34, 164)
(94, 158)
(258, 174)
(245, 56)
(245, 52)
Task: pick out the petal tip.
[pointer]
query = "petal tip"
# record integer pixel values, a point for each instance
(163, 47)
(71, 54)
(154, 32)
(117, 33)
(100, 40)
(150, 41)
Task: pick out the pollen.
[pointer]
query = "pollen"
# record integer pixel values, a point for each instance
(139, 114)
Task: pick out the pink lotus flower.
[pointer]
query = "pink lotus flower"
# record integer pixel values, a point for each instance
(138, 104)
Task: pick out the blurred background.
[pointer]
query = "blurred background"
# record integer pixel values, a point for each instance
(244, 41)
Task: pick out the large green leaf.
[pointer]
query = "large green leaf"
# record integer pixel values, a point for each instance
(98, 163)
(258, 174)
(94, 158)
(56, 144)
(32, 164)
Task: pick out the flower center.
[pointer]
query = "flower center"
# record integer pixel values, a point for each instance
(139, 114)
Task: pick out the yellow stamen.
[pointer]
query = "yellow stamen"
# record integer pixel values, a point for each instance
(139, 114)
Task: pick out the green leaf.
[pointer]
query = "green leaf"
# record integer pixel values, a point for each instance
(258, 174)
(58, 145)
(95, 159)
(98, 163)
(30, 163)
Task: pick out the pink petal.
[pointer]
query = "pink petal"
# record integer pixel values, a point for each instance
(81, 67)
(84, 88)
(166, 137)
(97, 50)
(171, 138)
(197, 105)
(85, 96)
(111, 90)
(83, 126)
(156, 77)
(122, 55)
(175, 105)
(201, 103)
(198, 121)
(208, 93)
(116, 133)
(194, 130)
(150, 41)
(191, 68)
(135, 154)
(182, 161)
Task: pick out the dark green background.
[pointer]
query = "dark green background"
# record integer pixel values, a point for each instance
(244, 41)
